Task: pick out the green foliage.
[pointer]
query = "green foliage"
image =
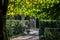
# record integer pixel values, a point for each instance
(48, 9)
(13, 28)
(48, 24)
(10, 17)
(42, 9)
(52, 34)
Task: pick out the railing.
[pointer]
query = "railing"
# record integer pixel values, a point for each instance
(13, 20)
(50, 20)
(52, 33)
(48, 25)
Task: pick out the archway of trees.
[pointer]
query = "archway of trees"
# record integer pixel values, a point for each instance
(41, 9)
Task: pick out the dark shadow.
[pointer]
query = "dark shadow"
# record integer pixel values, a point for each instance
(3, 9)
(37, 23)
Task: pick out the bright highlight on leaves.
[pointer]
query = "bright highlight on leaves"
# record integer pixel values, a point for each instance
(32, 7)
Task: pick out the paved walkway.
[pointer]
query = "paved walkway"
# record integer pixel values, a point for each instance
(32, 36)
(26, 38)
(33, 31)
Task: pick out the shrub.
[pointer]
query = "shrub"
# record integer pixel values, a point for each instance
(13, 28)
(47, 24)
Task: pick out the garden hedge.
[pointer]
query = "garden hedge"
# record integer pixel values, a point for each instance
(14, 28)
(47, 24)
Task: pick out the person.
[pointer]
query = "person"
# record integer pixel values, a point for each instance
(28, 29)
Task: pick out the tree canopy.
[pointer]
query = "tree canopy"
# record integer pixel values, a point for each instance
(42, 9)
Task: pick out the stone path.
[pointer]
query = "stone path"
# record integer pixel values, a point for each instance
(26, 38)
(32, 36)
(36, 32)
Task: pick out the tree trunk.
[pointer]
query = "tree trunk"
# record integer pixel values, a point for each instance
(34, 23)
(23, 21)
(3, 9)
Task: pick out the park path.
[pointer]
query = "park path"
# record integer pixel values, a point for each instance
(32, 36)
(26, 38)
